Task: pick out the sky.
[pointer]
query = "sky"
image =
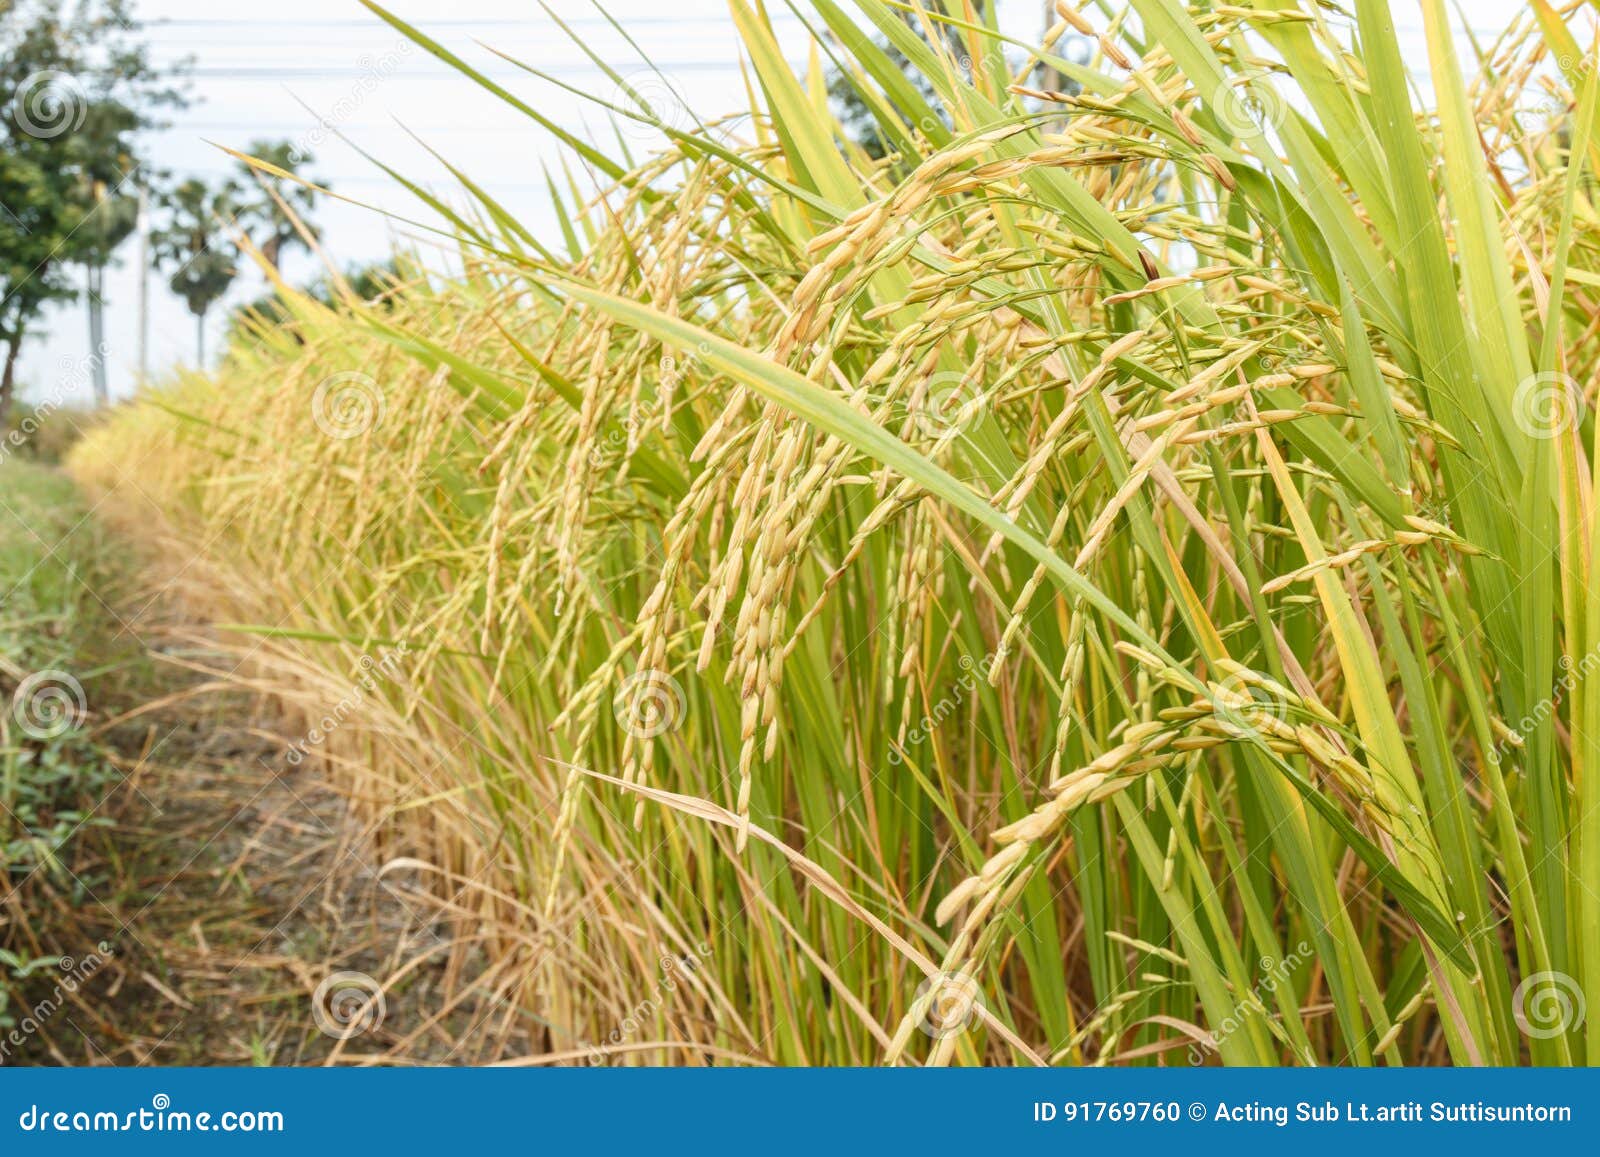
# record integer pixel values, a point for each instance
(280, 70)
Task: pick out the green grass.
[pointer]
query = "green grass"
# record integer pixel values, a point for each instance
(60, 646)
(60, 574)
(61, 640)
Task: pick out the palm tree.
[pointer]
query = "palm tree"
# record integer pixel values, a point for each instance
(195, 242)
(265, 216)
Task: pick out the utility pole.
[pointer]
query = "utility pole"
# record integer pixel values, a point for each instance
(143, 229)
(95, 289)
(1050, 79)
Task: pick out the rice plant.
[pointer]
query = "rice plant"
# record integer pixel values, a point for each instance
(1108, 582)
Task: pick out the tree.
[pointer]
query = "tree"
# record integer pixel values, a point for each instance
(267, 223)
(124, 90)
(75, 90)
(38, 217)
(371, 282)
(111, 218)
(859, 118)
(35, 225)
(862, 119)
(195, 243)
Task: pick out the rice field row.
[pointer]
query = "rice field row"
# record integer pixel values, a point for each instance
(1108, 582)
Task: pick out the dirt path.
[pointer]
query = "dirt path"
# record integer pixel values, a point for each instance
(193, 892)
(232, 883)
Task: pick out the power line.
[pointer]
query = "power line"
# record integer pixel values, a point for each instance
(366, 129)
(691, 27)
(291, 73)
(507, 22)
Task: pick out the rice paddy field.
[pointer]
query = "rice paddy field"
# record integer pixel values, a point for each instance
(1108, 578)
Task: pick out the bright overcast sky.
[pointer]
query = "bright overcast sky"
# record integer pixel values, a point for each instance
(257, 64)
